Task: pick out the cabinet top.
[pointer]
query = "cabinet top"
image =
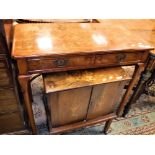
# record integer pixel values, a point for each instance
(73, 38)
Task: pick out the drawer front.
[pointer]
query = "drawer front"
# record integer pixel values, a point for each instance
(60, 63)
(120, 58)
(11, 122)
(5, 79)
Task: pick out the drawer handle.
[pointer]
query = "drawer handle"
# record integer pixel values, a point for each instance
(120, 57)
(60, 62)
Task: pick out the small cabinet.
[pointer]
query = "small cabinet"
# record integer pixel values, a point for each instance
(75, 97)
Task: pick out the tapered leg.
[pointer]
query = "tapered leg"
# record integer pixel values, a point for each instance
(25, 86)
(107, 125)
(140, 88)
(138, 91)
(136, 76)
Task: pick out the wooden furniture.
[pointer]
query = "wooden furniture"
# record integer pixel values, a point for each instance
(11, 117)
(146, 80)
(81, 98)
(45, 48)
(145, 29)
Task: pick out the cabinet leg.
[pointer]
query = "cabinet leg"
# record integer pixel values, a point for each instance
(134, 80)
(138, 91)
(142, 83)
(107, 125)
(25, 86)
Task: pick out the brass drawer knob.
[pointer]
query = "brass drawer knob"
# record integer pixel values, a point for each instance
(60, 62)
(120, 57)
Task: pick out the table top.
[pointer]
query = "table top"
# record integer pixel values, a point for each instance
(73, 38)
(145, 28)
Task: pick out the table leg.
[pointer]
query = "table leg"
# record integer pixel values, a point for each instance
(138, 70)
(138, 91)
(25, 86)
(140, 88)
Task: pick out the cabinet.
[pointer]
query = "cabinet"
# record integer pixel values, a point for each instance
(78, 97)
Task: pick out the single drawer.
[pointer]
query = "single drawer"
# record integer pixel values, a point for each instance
(60, 63)
(11, 122)
(119, 58)
(7, 94)
(5, 79)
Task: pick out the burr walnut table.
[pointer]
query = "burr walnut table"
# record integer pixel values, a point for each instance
(45, 48)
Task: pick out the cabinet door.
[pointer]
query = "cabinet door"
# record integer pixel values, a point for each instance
(69, 106)
(104, 99)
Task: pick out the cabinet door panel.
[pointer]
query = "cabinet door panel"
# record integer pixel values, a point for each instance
(104, 99)
(69, 106)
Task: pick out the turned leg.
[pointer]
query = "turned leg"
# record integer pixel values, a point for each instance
(25, 86)
(138, 70)
(107, 125)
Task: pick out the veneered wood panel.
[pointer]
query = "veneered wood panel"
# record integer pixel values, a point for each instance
(104, 99)
(69, 106)
(73, 38)
(54, 62)
(75, 79)
(127, 57)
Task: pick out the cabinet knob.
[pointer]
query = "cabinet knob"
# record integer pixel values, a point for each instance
(60, 62)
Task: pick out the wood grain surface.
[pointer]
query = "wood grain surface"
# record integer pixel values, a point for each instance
(74, 79)
(69, 38)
